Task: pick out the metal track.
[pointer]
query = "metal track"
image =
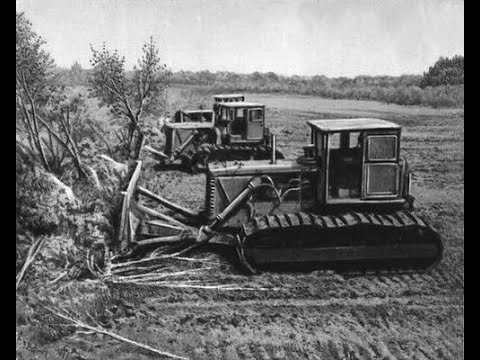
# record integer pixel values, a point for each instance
(354, 240)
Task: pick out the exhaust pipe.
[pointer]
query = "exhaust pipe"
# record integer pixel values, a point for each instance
(273, 141)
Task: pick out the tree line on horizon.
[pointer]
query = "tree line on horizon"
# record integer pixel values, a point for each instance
(442, 85)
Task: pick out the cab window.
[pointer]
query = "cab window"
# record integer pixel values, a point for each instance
(382, 148)
(334, 141)
(256, 115)
(224, 113)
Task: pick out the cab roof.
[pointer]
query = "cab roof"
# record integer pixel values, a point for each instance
(333, 125)
(228, 95)
(196, 111)
(241, 104)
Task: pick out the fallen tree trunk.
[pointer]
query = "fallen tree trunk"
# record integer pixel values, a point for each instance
(32, 253)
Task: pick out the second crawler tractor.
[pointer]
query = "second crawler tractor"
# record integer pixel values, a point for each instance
(233, 130)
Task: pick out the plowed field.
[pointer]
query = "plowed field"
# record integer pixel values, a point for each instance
(319, 315)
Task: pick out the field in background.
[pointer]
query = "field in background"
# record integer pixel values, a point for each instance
(320, 315)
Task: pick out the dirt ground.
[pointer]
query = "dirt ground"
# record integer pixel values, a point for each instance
(323, 314)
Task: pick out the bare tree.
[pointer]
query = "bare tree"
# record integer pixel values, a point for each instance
(32, 75)
(63, 122)
(130, 96)
(44, 116)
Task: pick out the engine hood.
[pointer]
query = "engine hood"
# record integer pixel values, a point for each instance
(257, 167)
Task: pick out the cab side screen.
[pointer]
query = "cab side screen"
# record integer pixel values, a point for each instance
(382, 148)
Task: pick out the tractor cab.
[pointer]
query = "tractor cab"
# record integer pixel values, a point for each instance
(242, 122)
(358, 161)
(225, 98)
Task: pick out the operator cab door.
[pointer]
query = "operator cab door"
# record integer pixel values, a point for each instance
(255, 124)
(343, 167)
(381, 170)
(237, 125)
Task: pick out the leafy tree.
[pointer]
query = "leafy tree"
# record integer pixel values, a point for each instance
(271, 77)
(130, 96)
(256, 76)
(76, 68)
(445, 72)
(206, 77)
(77, 75)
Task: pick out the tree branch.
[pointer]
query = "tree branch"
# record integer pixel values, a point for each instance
(97, 329)
(32, 253)
(76, 158)
(35, 123)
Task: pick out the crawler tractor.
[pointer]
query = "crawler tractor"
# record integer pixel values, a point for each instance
(345, 202)
(233, 130)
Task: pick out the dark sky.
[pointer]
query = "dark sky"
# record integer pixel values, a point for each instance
(330, 37)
